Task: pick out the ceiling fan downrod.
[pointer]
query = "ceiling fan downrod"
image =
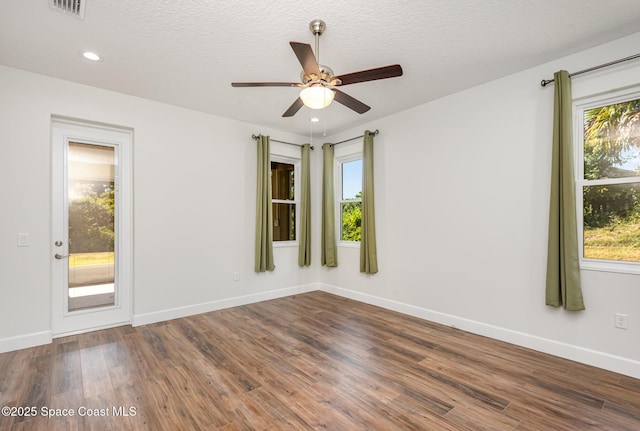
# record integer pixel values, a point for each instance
(317, 27)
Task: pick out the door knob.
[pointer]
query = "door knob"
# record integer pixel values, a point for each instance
(59, 256)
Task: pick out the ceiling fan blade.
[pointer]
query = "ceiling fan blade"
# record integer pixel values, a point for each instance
(295, 107)
(370, 74)
(306, 58)
(350, 102)
(266, 84)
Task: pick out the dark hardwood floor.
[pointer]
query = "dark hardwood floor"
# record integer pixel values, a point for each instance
(306, 362)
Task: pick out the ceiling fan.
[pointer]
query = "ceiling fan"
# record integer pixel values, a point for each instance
(318, 82)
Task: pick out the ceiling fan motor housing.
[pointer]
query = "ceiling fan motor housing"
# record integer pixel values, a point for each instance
(326, 75)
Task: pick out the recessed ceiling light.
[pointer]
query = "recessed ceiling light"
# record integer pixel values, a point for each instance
(91, 56)
(314, 119)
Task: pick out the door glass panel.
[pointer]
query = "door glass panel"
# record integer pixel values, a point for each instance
(91, 205)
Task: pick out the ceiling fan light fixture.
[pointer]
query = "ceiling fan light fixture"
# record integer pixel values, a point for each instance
(317, 96)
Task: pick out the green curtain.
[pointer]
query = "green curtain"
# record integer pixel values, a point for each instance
(329, 252)
(304, 231)
(368, 253)
(264, 214)
(563, 272)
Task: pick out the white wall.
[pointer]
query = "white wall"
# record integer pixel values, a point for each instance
(462, 198)
(194, 205)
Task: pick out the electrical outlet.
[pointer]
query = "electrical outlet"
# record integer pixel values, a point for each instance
(236, 276)
(23, 240)
(621, 321)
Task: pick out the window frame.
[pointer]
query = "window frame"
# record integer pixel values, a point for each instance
(351, 157)
(579, 107)
(296, 162)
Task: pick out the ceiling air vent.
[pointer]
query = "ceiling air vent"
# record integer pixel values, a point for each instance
(72, 7)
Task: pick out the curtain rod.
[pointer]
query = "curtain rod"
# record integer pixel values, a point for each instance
(375, 132)
(255, 138)
(544, 82)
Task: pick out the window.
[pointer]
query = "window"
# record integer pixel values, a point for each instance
(350, 198)
(284, 199)
(608, 183)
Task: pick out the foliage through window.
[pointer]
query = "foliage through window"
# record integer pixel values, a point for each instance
(91, 217)
(610, 182)
(283, 198)
(351, 200)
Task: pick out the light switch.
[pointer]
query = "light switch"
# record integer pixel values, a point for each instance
(23, 240)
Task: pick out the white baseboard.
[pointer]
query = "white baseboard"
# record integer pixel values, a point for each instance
(190, 310)
(595, 358)
(628, 367)
(25, 341)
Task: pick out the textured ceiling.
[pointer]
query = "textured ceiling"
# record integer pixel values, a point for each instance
(187, 52)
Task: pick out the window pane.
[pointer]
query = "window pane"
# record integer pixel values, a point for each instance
(612, 222)
(284, 222)
(282, 181)
(351, 221)
(352, 179)
(612, 141)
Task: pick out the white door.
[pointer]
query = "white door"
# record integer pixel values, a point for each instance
(91, 226)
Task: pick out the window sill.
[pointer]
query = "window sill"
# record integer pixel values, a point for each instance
(281, 244)
(622, 268)
(348, 244)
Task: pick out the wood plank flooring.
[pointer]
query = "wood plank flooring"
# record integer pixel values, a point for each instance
(307, 362)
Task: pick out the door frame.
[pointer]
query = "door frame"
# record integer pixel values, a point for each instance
(64, 322)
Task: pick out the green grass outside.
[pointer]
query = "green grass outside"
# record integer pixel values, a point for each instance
(84, 259)
(617, 242)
